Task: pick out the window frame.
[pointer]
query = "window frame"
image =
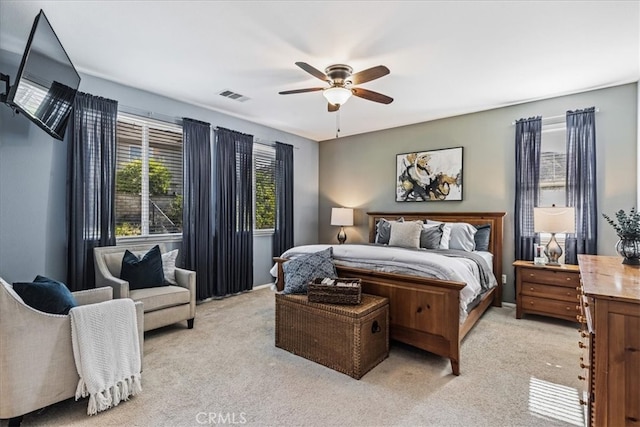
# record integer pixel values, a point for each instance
(556, 126)
(146, 152)
(263, 149)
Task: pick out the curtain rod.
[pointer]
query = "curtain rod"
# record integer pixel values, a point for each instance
(554, 118)
(148, 114)
(178, 121)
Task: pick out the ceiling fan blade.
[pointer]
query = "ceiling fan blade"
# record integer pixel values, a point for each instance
(332, 107)
(369, 74)
(372, 96)
(313, 71)
(311, 89)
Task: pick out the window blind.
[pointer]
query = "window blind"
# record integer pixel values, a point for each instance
(264, 186)
(148, 177)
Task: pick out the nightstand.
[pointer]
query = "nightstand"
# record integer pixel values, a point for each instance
(547, 290)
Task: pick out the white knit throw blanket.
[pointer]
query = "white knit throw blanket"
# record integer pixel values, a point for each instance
(106, 352)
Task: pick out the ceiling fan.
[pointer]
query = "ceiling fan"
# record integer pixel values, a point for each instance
(341, 81)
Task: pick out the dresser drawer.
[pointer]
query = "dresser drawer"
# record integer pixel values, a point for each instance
(551, 277)
(562, 309)
(548, 291)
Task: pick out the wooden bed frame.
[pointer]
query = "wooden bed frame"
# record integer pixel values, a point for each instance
(425, 312)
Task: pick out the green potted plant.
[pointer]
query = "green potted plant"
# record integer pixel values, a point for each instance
(627, 228)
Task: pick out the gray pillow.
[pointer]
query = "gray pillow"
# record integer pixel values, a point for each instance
(383, 230)
(430, 236)
(482, 237)
(462, 236)
(457, 235)
(299, 271)
(406, 234)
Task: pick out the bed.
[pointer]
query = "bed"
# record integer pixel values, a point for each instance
(425, 312)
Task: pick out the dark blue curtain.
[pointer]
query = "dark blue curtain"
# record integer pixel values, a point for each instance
(283, 230)
(581, 183)
(528, 138)
(197, 214)
(90, 185)
(233, 212)
(55, 106)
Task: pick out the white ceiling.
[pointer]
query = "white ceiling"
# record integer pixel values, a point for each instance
(446, 58)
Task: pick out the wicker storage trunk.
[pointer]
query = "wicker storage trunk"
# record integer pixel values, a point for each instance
(351, 339)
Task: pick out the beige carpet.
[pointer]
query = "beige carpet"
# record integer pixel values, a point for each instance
(228, 371)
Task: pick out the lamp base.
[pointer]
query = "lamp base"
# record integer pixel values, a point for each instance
(553, 251)
(342, 236)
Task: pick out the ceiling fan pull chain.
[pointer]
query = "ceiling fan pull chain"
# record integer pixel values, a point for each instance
(337, 123)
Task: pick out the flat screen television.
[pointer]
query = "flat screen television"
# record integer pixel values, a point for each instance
(47, 81)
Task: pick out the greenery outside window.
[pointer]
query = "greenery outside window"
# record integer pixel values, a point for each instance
(148, 177)
(264, 185)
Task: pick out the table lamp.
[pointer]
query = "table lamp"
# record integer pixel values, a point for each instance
(341, 217)
(554, 220)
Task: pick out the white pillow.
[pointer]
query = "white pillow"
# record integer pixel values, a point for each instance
(169, 266)
(459, 235)
(406, 234)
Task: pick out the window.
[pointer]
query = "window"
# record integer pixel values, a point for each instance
(148, 177)
(264, 188)
(553, 165)
(553, 172)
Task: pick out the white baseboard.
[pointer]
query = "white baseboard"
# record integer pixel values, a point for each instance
(266, 285)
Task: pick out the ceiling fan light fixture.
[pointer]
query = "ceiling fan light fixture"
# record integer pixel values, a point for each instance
(337, 95)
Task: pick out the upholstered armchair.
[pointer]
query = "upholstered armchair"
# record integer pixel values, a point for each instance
(163, 305)
(37, 367)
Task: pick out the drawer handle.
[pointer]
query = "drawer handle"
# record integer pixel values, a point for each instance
(581, 345)
(583, 366)
(532, 289)
(583, 402)
(581, 378)
(568, 279)
(568, 294)
(531, 275)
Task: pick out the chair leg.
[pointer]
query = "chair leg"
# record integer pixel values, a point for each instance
(16, 421)
(190, 323)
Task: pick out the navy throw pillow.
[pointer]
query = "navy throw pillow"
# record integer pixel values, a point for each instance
(301, 270)
(145, 272)
(47, 295)
(482, 237)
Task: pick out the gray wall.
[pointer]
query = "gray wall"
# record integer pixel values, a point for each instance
(33, 173)
(359, 171)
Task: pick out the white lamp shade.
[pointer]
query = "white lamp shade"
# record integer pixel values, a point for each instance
(554, 220)
(341, 216)
(337, 95)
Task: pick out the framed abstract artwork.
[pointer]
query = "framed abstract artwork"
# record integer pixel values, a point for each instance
(429, 175)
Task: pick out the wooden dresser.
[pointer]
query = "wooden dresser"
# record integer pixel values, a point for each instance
(610, 339)
(547, 290)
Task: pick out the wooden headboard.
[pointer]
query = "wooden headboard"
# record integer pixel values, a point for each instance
(496, 219)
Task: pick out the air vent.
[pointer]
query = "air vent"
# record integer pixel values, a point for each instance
(233, 95)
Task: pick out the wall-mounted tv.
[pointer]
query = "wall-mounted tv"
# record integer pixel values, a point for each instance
(47, 81)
